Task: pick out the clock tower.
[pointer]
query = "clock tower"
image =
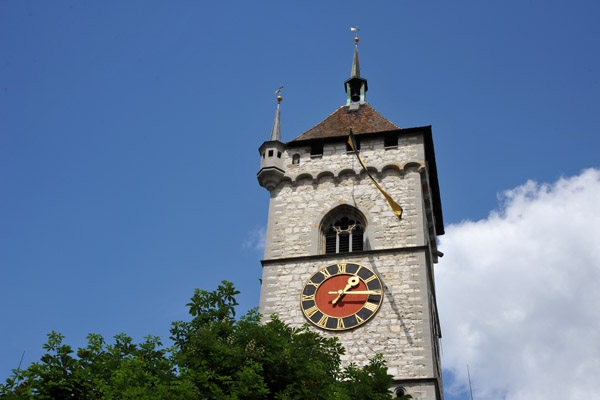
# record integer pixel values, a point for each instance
(338, 257)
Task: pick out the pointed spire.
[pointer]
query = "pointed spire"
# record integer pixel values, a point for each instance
(355, 65)
(276, 131)
(356, 87)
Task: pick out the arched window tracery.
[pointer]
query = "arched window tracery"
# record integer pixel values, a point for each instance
(343, 230)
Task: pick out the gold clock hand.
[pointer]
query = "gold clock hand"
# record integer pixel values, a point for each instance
(357, 292)
(352, 281)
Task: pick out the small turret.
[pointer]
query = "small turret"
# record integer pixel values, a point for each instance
(271, 153)
(356, 87)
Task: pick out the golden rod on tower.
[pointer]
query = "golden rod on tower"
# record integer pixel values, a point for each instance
(395, 206)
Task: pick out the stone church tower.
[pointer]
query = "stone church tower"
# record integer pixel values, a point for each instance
(338, 257)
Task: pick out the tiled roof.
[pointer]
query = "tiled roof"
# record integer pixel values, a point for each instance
(365, 120)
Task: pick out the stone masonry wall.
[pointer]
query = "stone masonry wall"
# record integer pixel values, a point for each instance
(319, 184)
(399, 330)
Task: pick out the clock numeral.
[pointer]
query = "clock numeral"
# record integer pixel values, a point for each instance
(316, 285)
(370, 306)
(311, 311)
(308, 297)
(323, 321)
(340, 324)
(369, 279)
(341, 268)
(359, 319)
(325, 273)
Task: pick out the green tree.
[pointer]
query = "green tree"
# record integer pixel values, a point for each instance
(214, 356)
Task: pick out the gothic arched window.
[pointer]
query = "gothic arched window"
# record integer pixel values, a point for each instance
(343, 230)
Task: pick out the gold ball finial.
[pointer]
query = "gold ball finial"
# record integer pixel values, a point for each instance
(356, 39)
(277, 93)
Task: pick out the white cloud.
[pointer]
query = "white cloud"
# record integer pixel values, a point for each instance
(519, 294)
(256, 239)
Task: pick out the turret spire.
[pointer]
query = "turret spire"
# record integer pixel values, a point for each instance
(276, 131)
(356, 87)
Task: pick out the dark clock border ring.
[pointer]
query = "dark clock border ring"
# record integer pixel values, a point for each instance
(351, 310)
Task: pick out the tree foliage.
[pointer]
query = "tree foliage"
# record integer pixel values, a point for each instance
(214, 356)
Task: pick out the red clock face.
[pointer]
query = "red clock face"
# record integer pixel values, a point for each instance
(347, 304)
(341, 296)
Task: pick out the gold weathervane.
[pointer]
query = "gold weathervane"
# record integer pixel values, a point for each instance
(355, 29)
(278, 91)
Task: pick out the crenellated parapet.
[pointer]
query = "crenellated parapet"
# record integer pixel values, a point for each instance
(343, 173)
(336, 161)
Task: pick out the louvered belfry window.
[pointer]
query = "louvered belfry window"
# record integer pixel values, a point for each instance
(343, 230)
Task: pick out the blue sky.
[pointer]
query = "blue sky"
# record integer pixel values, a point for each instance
(129, 135)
